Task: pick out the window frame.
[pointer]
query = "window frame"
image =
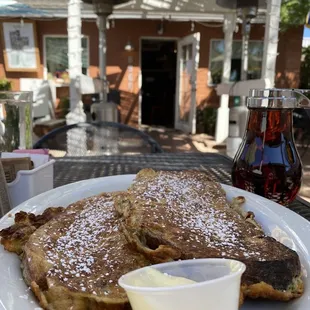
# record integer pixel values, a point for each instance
(210, 49)
(46, 36)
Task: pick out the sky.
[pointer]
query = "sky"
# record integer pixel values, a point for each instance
(307, 32)
(7, 2)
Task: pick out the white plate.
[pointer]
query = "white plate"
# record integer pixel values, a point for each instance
(277, 221)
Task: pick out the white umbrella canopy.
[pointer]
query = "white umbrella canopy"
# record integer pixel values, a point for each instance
(170, 9)
(197, 6)
(176, 9)
(163, 5)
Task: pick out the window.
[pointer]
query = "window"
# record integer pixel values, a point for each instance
(56, 55)
(217, 57)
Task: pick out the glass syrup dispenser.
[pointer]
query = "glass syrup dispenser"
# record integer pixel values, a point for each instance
(267, 162)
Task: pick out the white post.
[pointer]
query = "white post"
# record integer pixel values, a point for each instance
(222, 121)
(76, 138)
(241, 111)
(271, 40)
(75, 62)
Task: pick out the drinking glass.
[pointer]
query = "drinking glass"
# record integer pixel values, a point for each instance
(15, 120)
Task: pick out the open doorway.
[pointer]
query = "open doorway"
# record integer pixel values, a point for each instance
(158, 67)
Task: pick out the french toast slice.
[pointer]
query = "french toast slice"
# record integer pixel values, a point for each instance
(75, 260)
(184, 215)
(25, 224)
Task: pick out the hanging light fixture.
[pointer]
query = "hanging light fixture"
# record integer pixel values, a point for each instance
(192, 26)
(129, 46)
(160, 28)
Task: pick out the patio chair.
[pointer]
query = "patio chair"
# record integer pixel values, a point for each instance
(97, 138)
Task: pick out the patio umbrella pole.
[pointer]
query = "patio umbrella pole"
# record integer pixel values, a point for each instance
(246, 28)
(246, 14)
(103, 8)
(102, 20)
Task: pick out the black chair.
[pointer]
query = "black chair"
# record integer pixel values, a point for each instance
(98, 138)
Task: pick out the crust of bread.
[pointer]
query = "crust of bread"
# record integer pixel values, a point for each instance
(266, 291)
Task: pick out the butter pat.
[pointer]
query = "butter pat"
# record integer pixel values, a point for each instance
(154, 278)
(151, 288)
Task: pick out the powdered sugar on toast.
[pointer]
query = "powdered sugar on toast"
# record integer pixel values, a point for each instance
(86, 250)
(195, 209)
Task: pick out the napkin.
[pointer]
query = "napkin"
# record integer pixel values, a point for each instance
(32, 151)
(37, 159)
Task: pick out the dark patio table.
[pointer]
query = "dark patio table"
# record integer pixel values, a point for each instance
(73, 169)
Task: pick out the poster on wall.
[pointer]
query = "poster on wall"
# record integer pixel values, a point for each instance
(20, 47)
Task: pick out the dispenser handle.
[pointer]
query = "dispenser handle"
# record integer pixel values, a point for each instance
(302, 97)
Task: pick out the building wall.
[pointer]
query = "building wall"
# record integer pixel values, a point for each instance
(120, 75)
(289, 58)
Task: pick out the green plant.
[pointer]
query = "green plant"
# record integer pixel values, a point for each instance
(293, 13)
(209, 120)
(64, 106)
(5, 85)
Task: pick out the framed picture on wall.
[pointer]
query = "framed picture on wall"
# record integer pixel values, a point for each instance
(20, 48)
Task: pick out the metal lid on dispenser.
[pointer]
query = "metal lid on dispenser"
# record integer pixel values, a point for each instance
(277, 98)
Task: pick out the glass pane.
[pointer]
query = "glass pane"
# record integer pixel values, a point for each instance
(190, 51)
(184, 52)
(217, 58)
(185, 82)
(216, 71)
(184, 56)
(217, 50)
(216, 61)
(57, 55)
(236, 50)
(84, 56)
(256, 51)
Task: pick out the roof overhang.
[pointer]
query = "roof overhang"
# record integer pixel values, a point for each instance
(179, 10)
(176, 16)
